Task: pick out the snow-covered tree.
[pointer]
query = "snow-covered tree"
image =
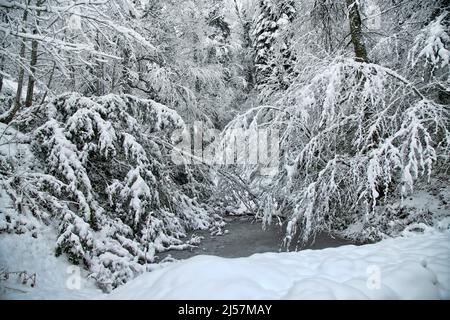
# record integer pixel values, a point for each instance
(68, 36)
(340, 164)
(358, 91)
(273, 55)
(105, 179)
(355, 137)
(430, 55)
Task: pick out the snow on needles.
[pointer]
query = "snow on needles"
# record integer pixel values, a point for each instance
(432, 43)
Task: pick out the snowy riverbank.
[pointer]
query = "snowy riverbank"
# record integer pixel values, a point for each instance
(415, 267)
(402, 268)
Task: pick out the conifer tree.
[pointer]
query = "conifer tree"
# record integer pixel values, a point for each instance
(273, 55)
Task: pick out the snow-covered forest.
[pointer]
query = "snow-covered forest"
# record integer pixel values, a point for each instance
(133, 130)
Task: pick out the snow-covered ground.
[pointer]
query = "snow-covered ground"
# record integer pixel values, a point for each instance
(415, 267)
(55, 276)
(24, 253)
(403, 268)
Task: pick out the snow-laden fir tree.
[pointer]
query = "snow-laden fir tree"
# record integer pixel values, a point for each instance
(105, 179)
(273, 57)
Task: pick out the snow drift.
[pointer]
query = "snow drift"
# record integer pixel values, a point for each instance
(403, 268)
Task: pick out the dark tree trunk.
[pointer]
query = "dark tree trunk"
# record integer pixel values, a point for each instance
(126, 65)
(1, 74)
(32, 76)
(2, 61)
(356, 31)
(33, 62)
(99, 72)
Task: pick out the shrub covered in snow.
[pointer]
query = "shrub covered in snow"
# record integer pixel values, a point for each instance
(104, 177)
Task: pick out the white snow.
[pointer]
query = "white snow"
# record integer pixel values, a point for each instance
(33, 255)
(54, 275)
(434, 40)
(415, 267)
(407, 268)
(11, 86)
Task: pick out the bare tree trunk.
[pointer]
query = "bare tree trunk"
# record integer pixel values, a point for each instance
(31, 77)
(1, 74)
(356, 31)
(100, 79)
(2, 61)
(34, 53)
(126, 65)
(21, 77)
(98, 72)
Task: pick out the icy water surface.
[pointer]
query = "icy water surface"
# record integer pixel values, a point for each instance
(246, 237)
